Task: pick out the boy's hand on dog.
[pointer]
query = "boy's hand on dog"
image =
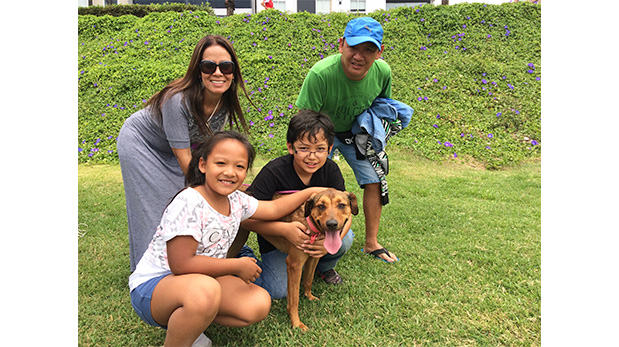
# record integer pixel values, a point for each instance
(297, 234)
(248, 270)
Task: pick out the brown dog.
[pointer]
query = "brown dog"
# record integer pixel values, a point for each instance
(324, 213)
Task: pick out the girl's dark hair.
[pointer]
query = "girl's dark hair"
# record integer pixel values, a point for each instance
(310, 122)
(194, 176)
(191, 85)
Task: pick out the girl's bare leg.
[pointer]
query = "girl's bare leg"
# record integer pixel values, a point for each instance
(242, 304)
(187, 304)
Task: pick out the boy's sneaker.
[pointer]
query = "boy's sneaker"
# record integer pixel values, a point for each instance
(330, 276)
(202, 341)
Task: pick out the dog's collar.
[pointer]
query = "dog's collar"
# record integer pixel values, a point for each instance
(286, 191)
(313, 228)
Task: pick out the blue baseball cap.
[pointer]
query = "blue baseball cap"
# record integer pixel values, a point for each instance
(363, 29)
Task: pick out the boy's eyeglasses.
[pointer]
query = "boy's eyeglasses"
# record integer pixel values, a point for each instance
(209, 66)
(304, 152)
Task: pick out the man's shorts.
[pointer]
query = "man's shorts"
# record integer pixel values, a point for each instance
(141, 297)
(363, 170)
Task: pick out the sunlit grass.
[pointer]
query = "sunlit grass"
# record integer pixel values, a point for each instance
(469, 271)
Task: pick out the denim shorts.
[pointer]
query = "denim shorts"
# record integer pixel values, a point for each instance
(141, 297)
(364, 172)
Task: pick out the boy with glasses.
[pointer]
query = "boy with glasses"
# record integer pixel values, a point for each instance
(309, 140)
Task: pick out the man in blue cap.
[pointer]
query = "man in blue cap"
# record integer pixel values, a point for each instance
(343, 86)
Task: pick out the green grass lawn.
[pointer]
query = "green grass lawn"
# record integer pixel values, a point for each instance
(469, 271)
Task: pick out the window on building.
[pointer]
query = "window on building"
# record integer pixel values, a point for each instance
(279, 5)
(323, 6)
(357, 5)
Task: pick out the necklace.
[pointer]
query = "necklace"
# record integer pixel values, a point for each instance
(206, 122)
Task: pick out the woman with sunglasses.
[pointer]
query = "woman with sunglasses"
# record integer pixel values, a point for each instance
(154, 144)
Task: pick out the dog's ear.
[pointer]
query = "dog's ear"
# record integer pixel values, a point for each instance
(354, 207)
(309, 205)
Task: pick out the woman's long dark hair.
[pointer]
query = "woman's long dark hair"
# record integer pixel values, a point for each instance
(191, 85)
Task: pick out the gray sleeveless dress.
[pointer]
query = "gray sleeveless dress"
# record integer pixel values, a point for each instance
(150, 171)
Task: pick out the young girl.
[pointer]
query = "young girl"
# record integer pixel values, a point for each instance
(183, 282)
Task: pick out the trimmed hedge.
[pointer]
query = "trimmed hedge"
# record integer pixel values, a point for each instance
(142, 10)
(471, 72)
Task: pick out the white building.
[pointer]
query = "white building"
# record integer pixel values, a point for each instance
(253, 6)
(311, 6)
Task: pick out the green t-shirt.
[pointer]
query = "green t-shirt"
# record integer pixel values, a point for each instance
(326, 88)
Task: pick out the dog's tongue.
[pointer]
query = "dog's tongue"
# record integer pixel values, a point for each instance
(332, 241)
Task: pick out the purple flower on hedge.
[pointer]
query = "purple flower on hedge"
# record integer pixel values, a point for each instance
(490, 136)
(534, 143)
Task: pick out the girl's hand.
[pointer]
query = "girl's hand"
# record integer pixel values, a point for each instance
(317, 249)
(247, 269)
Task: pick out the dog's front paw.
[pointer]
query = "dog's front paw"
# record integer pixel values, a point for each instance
(311, 297)
(302, 326)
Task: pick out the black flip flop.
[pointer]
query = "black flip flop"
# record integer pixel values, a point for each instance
(380, 251)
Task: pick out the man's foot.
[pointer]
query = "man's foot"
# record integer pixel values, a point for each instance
(330, 276)
(382, 254)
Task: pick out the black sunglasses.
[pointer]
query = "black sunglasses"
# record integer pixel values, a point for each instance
(209, 66)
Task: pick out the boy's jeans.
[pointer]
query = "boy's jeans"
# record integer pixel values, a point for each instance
(274, 277)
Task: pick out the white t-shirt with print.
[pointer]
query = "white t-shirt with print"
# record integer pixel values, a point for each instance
(189, 214)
